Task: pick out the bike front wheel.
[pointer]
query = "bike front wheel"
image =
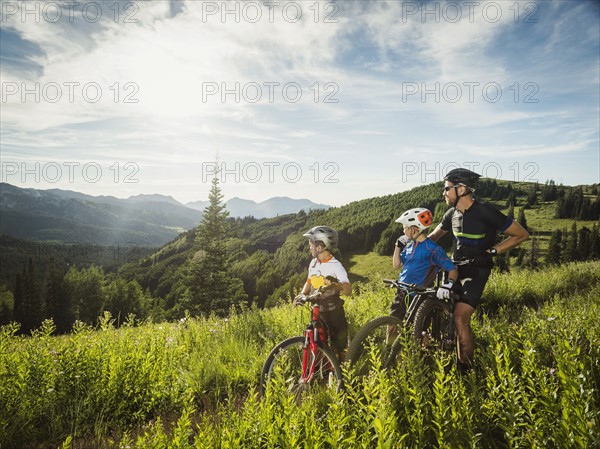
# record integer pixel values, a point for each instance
(300, 369)
(373, 344)
(433, 326)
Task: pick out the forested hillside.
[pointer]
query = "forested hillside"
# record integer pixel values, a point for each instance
(269, 256)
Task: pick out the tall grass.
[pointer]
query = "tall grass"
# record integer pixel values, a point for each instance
(191, 384)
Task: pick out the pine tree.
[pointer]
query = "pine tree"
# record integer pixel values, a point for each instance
(554, 247)
(595, 243)
(534, 253)
(58, 300)
(29, 306)
(522, 219)
(7, 304)
(570, 253)
(532, 197)
(584, 242)
(212, 288)
(511, 211)
(511, 201)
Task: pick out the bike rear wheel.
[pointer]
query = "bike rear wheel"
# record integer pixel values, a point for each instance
(372, 344)
(433, 326)
(285, 362)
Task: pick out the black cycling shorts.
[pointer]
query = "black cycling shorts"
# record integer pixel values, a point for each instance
(336, 322)
(471, 282)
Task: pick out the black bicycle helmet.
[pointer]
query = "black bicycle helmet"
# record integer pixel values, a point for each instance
(463, 176)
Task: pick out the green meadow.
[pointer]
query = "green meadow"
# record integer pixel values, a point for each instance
(193, 383)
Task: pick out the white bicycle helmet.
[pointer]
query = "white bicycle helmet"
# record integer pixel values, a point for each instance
(325, 234)
(419, 217)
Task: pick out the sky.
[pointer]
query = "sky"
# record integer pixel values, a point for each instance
(329, 101)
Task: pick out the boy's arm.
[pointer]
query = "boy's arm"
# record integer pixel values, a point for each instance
(398, 248)
(306, 289)
(453, 275)
(345, 288)
(396, 258)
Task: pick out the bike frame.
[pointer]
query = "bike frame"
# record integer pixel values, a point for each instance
(422, 294)
(314, 335)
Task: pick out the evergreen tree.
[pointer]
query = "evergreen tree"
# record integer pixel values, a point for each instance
(570, 253)
(29, 306)
(511, 201)
(554, 247)
(7, 303)
(511, 211)
(58, 300)
(549, 191)
(532, 197)
(212, 288)
(522, 219)
(584, 242)
(595, 243)
(534, 252)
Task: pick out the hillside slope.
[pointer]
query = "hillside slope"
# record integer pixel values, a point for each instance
(270, 255)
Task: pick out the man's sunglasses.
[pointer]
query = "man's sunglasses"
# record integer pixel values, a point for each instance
(446, 188)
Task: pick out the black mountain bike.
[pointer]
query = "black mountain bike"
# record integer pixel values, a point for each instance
(430, 321)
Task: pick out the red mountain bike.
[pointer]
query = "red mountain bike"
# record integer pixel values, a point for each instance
(304, 361)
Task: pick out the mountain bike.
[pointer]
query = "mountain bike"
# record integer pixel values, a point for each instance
(430, 321)
(305, 361)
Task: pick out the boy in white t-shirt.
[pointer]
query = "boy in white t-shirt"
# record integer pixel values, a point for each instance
(326, 270)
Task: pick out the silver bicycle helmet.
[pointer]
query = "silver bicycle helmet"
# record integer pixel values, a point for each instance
(325, 234)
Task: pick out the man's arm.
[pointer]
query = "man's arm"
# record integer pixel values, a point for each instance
(437, 233)
(516, 233)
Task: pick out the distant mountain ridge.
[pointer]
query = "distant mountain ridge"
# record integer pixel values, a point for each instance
(146, 220)
(66, 216)
(272, 207)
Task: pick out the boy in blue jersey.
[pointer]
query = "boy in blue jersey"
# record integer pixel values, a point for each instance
(419, 257)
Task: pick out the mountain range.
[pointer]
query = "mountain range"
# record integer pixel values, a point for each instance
(272, 207)
(147, 220)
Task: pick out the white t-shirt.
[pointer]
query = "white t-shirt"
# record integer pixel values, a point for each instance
(318, 270)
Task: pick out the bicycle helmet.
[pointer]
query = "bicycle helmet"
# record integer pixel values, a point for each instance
(463, 176)
(325, 234)
(419, 217)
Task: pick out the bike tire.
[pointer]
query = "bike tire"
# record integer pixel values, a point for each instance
(372, 340)
(432, 325)
(285, 361)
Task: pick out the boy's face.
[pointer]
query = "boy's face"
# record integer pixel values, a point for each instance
(315, 249)
(410, 231)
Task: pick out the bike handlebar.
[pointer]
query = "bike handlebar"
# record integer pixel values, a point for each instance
(416, 288)
(314, 296)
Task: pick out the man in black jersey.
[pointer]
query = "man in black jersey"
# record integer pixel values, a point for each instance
(474, 226)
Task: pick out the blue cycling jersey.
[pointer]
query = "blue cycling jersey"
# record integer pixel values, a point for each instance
(417, 258)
